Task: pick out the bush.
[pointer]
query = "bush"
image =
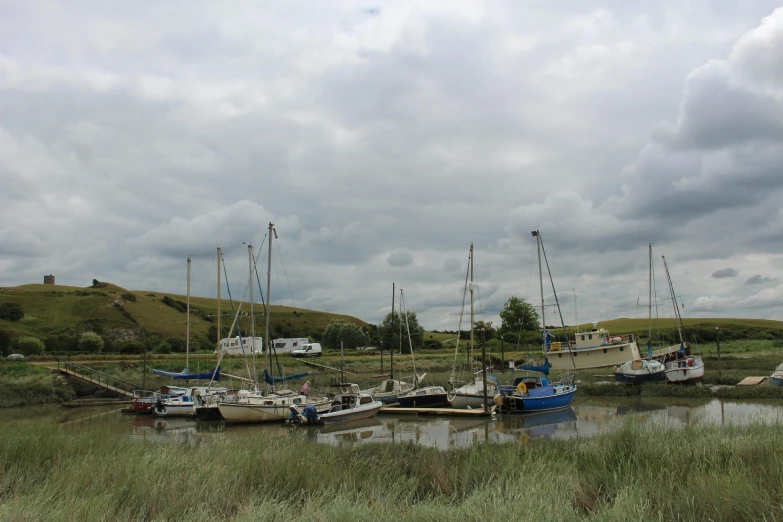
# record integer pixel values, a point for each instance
(5, 342)
(61, 343)
(11, 311)
(177, 305)
(29, 345)
(163, 347)
(129, 297)
(131, 346)
(90, 342)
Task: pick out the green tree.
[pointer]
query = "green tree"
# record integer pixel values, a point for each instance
(518, 315)
(11, 311)
(131, 346)
(29, 345)
(351, 335)
(163, 347)
(90, 342)
(489, 331)
(390, 333)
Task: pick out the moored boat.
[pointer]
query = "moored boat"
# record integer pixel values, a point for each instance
(639, 371)
(537, 394)
(428, 397)
(349, 405)
(776, 379)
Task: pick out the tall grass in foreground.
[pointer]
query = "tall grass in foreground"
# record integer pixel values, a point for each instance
(695, 473)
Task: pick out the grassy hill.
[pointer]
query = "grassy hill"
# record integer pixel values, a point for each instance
(56, 309)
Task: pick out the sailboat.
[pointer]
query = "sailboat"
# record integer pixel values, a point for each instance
(478, 393)
(681, 365)
(257, 406)
(643, 370)
(389, 390)
(536, 394)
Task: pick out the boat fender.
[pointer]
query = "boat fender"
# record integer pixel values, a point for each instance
(690, 362)
(522, 388)
(498, 399)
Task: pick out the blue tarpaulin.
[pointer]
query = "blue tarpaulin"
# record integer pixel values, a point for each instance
(272, 380)
(185, 374)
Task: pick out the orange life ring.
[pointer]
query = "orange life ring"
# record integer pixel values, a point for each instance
(522, 388)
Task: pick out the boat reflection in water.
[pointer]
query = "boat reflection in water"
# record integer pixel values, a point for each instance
(446, 433)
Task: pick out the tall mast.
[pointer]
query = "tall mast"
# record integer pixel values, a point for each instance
(252, 306)
(677, 317)
(649, 304)
(537, 235)
(187, 322)
(218, 300)
(267, 343)
(391, 348)
(471, 308)
(576, 317)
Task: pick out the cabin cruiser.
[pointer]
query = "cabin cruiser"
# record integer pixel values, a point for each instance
(349, 405)
(592, 349)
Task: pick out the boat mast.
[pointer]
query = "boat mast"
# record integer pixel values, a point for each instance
(218, 300)
(252, 310)
(187, 327)
(649, 304)
(267, 344)
(537, 235)
(677, 317)
(471, 312)
(408, 328)
(576, 317)
(391, 348)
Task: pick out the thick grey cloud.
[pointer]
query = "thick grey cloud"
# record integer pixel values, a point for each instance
(376, 135)
(758, 279)
(725, 272)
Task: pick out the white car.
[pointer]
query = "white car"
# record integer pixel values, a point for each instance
(15, 356)
(308, 350)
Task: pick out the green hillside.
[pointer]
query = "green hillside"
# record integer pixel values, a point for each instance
(55, 309)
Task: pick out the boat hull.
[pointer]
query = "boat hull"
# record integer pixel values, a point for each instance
(465, 400)
(593, 357)
(516, 403)
(365, 411)
(208, 413)
(679, 371)
(252, 413)
(439, 400)
(776, 380)
(168, 410)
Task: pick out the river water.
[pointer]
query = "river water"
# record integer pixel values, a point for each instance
(587, 417)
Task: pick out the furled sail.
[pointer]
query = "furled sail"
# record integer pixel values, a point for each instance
(213, 375)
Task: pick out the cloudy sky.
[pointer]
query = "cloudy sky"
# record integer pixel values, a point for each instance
(382, 138)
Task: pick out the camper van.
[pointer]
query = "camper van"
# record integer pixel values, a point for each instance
(234, 345)
(287, 345)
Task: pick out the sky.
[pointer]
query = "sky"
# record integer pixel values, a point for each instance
(383, 138)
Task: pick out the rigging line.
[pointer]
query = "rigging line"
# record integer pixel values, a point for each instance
(552, 281)
(266, 311)
(408, 328)
(236, 319)
(459, 325)
(287, 281)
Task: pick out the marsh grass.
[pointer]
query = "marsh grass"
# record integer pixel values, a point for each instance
(632, 473)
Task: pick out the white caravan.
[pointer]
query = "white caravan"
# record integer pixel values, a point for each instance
(288, 345)
(234, 345)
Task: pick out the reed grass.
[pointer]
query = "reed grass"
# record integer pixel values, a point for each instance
(632, 473)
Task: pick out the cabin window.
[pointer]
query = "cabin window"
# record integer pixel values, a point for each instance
(560, 355)
(590, 336)
(365, 400)
(604, 350)
(621, 348)
(268, 403)
(297, 401)
(583, 337)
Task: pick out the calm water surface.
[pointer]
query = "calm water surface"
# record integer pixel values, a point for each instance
(587, 417)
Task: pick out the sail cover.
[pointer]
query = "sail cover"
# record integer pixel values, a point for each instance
(272, 380)
(543, 368)
(213, 375)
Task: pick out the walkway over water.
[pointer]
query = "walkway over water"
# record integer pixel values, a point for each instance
(97, 378)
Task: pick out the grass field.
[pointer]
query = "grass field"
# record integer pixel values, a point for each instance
(51, 309)
(633, 473)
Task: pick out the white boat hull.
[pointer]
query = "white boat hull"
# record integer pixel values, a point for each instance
(593, 357)
(244, 413)
(472, 395)
(679, 371)
(364, 411)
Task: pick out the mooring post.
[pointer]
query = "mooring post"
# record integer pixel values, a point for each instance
(717, 339)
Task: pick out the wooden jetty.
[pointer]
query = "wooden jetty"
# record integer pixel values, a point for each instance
(324, 367)
(83, 403)
(443, 412)
(107, 382)
(752, 381)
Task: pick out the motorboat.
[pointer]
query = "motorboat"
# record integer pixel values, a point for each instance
(349, 405)
(273, 407)
(428, 397)
(776, 379)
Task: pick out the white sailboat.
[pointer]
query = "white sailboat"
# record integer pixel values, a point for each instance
(478, 393)
(256, 406)
(681, 364)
